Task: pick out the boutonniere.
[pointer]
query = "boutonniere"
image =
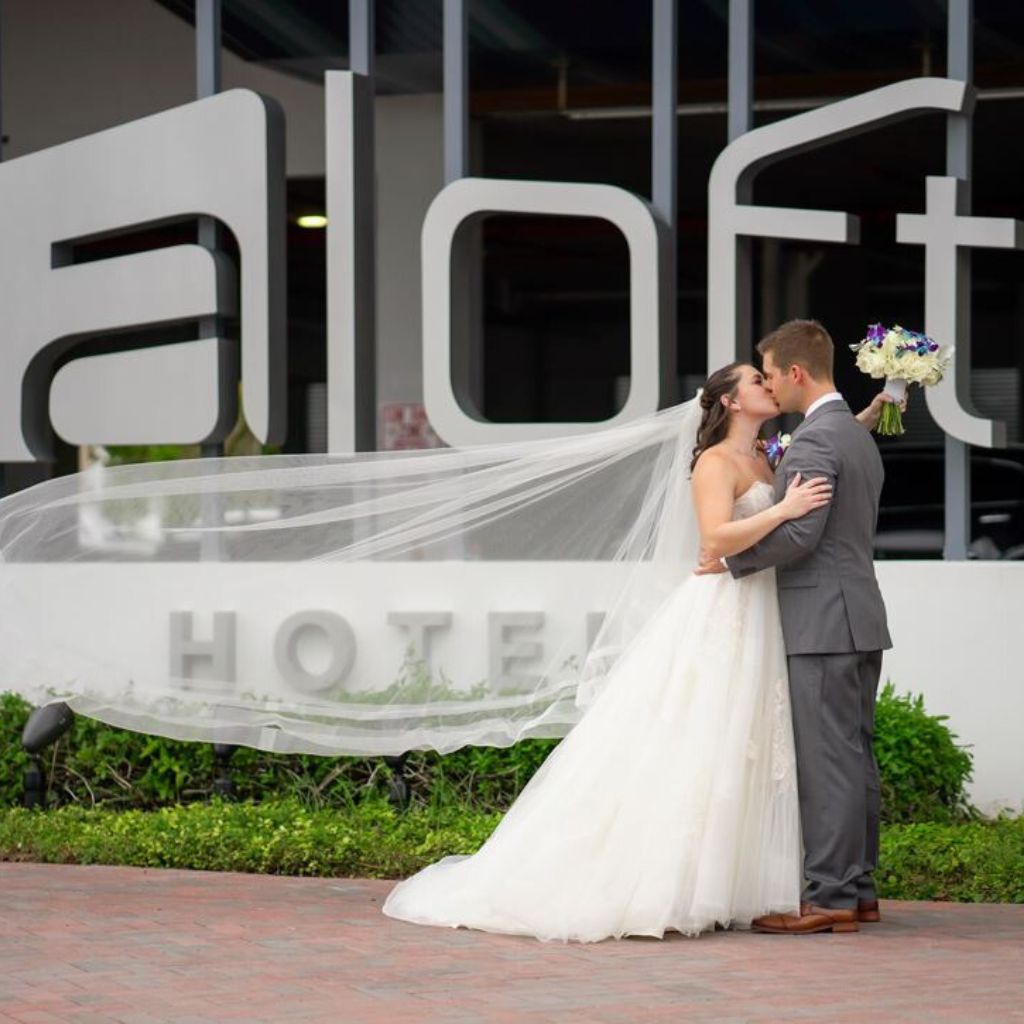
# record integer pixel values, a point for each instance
(776, 446)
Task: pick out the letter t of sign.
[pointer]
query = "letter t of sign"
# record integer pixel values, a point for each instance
(946, 233)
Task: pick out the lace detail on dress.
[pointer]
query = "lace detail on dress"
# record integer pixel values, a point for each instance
(783, 749)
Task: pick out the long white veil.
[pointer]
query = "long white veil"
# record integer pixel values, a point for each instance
(363, 604)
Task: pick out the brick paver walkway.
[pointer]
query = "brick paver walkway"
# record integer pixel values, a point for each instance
(101, 944)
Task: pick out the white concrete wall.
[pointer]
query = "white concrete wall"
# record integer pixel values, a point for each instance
(954, 627)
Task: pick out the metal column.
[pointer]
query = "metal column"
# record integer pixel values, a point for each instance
(740, 121)
(349, 101)
(208, 83)
(664, 162)
(467, 367)
(3, 468)
(456, 91)
(960, 65)
(362, 50)
(741, 67)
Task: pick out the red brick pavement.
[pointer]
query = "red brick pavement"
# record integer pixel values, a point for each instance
(102, 944)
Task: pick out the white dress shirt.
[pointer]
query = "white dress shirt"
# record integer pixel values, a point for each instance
(832, 396)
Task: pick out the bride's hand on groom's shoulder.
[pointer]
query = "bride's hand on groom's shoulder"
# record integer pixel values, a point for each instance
(804, 496)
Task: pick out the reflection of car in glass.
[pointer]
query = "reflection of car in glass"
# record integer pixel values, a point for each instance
(910, 520)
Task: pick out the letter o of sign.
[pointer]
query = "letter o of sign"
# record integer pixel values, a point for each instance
(470, 198)
(340, 639)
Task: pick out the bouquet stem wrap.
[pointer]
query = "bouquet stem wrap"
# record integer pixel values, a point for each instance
(890, 423)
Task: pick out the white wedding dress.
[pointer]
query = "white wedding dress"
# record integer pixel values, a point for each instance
(671, 805)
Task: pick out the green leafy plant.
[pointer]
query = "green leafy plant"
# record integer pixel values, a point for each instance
(972, 862)
(14, 714)
(275, 837)
(923, 771)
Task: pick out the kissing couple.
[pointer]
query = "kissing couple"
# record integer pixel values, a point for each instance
(724, 775)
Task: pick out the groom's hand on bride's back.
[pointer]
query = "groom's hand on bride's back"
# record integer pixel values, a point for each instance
(709, 566)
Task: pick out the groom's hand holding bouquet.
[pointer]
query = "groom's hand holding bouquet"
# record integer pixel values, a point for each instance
(901, 358)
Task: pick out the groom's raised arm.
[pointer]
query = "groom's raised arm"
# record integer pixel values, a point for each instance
(812, 459)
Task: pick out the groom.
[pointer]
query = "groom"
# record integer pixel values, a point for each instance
(834, 625)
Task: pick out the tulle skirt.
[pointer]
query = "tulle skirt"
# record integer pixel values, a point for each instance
(671, 805)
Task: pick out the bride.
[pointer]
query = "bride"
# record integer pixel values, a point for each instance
(672, 804)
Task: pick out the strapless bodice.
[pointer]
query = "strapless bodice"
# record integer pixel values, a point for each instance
(759, 496)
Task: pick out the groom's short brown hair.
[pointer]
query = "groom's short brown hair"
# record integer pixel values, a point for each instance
(801, 342)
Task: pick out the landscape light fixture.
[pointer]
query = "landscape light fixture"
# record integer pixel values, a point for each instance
(45, 725)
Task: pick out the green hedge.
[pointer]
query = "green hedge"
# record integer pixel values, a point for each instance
(96, 764)
(370, 840)
(971, 862)
(923, 771)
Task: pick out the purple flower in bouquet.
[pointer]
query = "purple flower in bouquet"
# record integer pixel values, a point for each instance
(877, 333)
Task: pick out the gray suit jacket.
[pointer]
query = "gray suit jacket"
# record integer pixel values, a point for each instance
(828, 594)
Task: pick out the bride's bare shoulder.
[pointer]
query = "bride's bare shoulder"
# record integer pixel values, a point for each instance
(714, 463)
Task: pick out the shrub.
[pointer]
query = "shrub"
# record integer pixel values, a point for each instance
(96, 764)
(972, 862)
(369, 840)
(923, 771)
(13, 759)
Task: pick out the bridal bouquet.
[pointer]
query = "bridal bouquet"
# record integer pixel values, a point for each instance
(902, 357)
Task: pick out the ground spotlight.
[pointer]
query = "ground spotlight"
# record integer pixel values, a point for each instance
(45, 725)
(223, 784)
(399, 789)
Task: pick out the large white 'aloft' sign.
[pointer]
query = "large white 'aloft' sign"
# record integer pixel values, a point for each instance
(222, 157)
(321, 642)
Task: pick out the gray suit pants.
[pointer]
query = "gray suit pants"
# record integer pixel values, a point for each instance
(833, 700)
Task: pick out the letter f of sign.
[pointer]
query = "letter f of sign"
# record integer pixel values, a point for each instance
(220, 157)
(733, 220)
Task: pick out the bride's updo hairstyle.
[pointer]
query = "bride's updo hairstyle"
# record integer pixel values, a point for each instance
(714, 424)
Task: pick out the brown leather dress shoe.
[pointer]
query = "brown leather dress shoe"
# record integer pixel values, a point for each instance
(868, 912)
(811, 919)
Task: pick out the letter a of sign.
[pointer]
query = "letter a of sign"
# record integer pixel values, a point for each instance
(220, 157)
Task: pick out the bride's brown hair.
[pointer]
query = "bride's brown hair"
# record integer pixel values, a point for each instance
(714, 424)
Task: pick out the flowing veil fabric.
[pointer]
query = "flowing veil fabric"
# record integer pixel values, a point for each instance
(141, 594)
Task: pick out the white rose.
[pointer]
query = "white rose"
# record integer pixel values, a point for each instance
(872, 361)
